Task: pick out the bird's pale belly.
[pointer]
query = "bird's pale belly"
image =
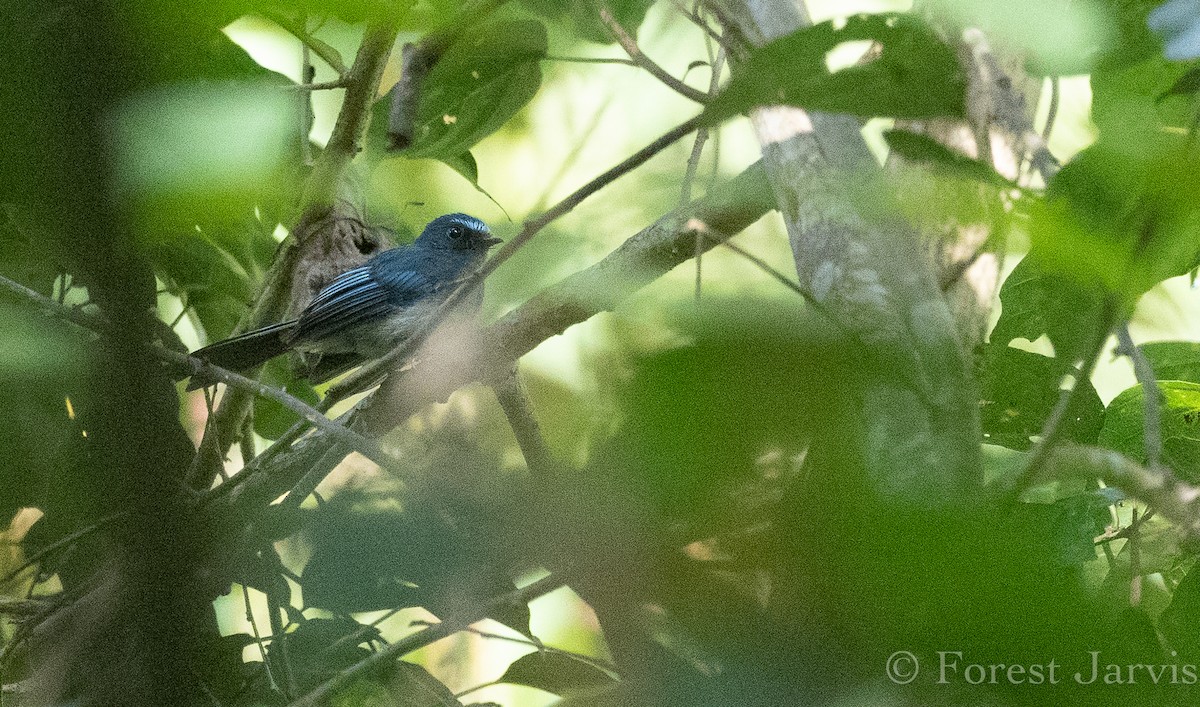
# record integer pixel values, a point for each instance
(374, 339)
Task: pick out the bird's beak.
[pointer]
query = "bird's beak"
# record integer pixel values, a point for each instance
(489, 242)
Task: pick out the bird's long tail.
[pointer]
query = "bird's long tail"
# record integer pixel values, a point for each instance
(245, 351)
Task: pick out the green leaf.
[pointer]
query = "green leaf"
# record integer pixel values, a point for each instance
(1124, 424)
(476, 86)
(1130, 208)
(405, 684)
(915, 76)
(583, 20)
(556, 673)
(1020, 389)
(1036, 303)
(367, 560)
(316, 651)
(1174, 360)
(1179, 620)
(272, 420)
(923, 149)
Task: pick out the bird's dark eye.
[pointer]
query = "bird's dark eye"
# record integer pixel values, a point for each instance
(456, 231)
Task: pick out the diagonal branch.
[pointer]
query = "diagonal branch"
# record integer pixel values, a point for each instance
(630, 45)
(297, 30)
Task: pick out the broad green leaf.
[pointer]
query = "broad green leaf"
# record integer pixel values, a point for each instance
(583, 18)
(476, 86)
(1020, 388)
(1179, 620)
(922, 149)
(1121, 216)
(1035, 303)
(318, 649)
(1174, 360)
(1056, 38)
(271, 419)
(556, 673)
(915, 76)
(366, 560)
(1179, 414)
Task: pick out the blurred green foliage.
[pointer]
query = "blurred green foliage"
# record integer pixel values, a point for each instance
(711, 505)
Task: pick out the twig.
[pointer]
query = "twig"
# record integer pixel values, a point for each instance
(1135, 564)
(598, 663)
(427, 636)
(1124, 533)
(630, 45)
(262, 648)
(321, 85)
(1151, 395)
(297, 30)
(590, 60)
(1053, 428)
(510, 392)
(1051, 111)
(372, 372)
(693, 164)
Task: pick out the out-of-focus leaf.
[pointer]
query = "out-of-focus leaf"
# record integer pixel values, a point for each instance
(1186, 85)
(915, 76)
(1122, 217)
(1179, 414)
(923, 149)
(43, 412)
(556, 673)
(24, 253)
(213, 282)
(319, 649)
(366, 560)
(1174, 360)
(476, 86)
(1179, 620)
(1020, 389)
(404, 685)
(1056, 38)
(271, 419)
(1034, 303)
(583, 18)
(1066, 527)
(193, 152)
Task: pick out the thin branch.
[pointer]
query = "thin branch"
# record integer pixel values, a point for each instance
(511, 394)
(590, 60)
(321, 85)
(598, 663)
(297, 30)
(262, 648)
(1052, 110)
(425, 637)
(1053, 429)
(369, 374)
(630, 45)
(1151, 395)
(693, 164)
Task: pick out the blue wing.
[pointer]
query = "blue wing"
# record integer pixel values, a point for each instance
(356, 297)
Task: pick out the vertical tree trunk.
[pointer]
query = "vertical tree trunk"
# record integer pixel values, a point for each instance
(868, 270)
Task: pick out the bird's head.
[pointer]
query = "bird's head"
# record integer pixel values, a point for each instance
(457, 232)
